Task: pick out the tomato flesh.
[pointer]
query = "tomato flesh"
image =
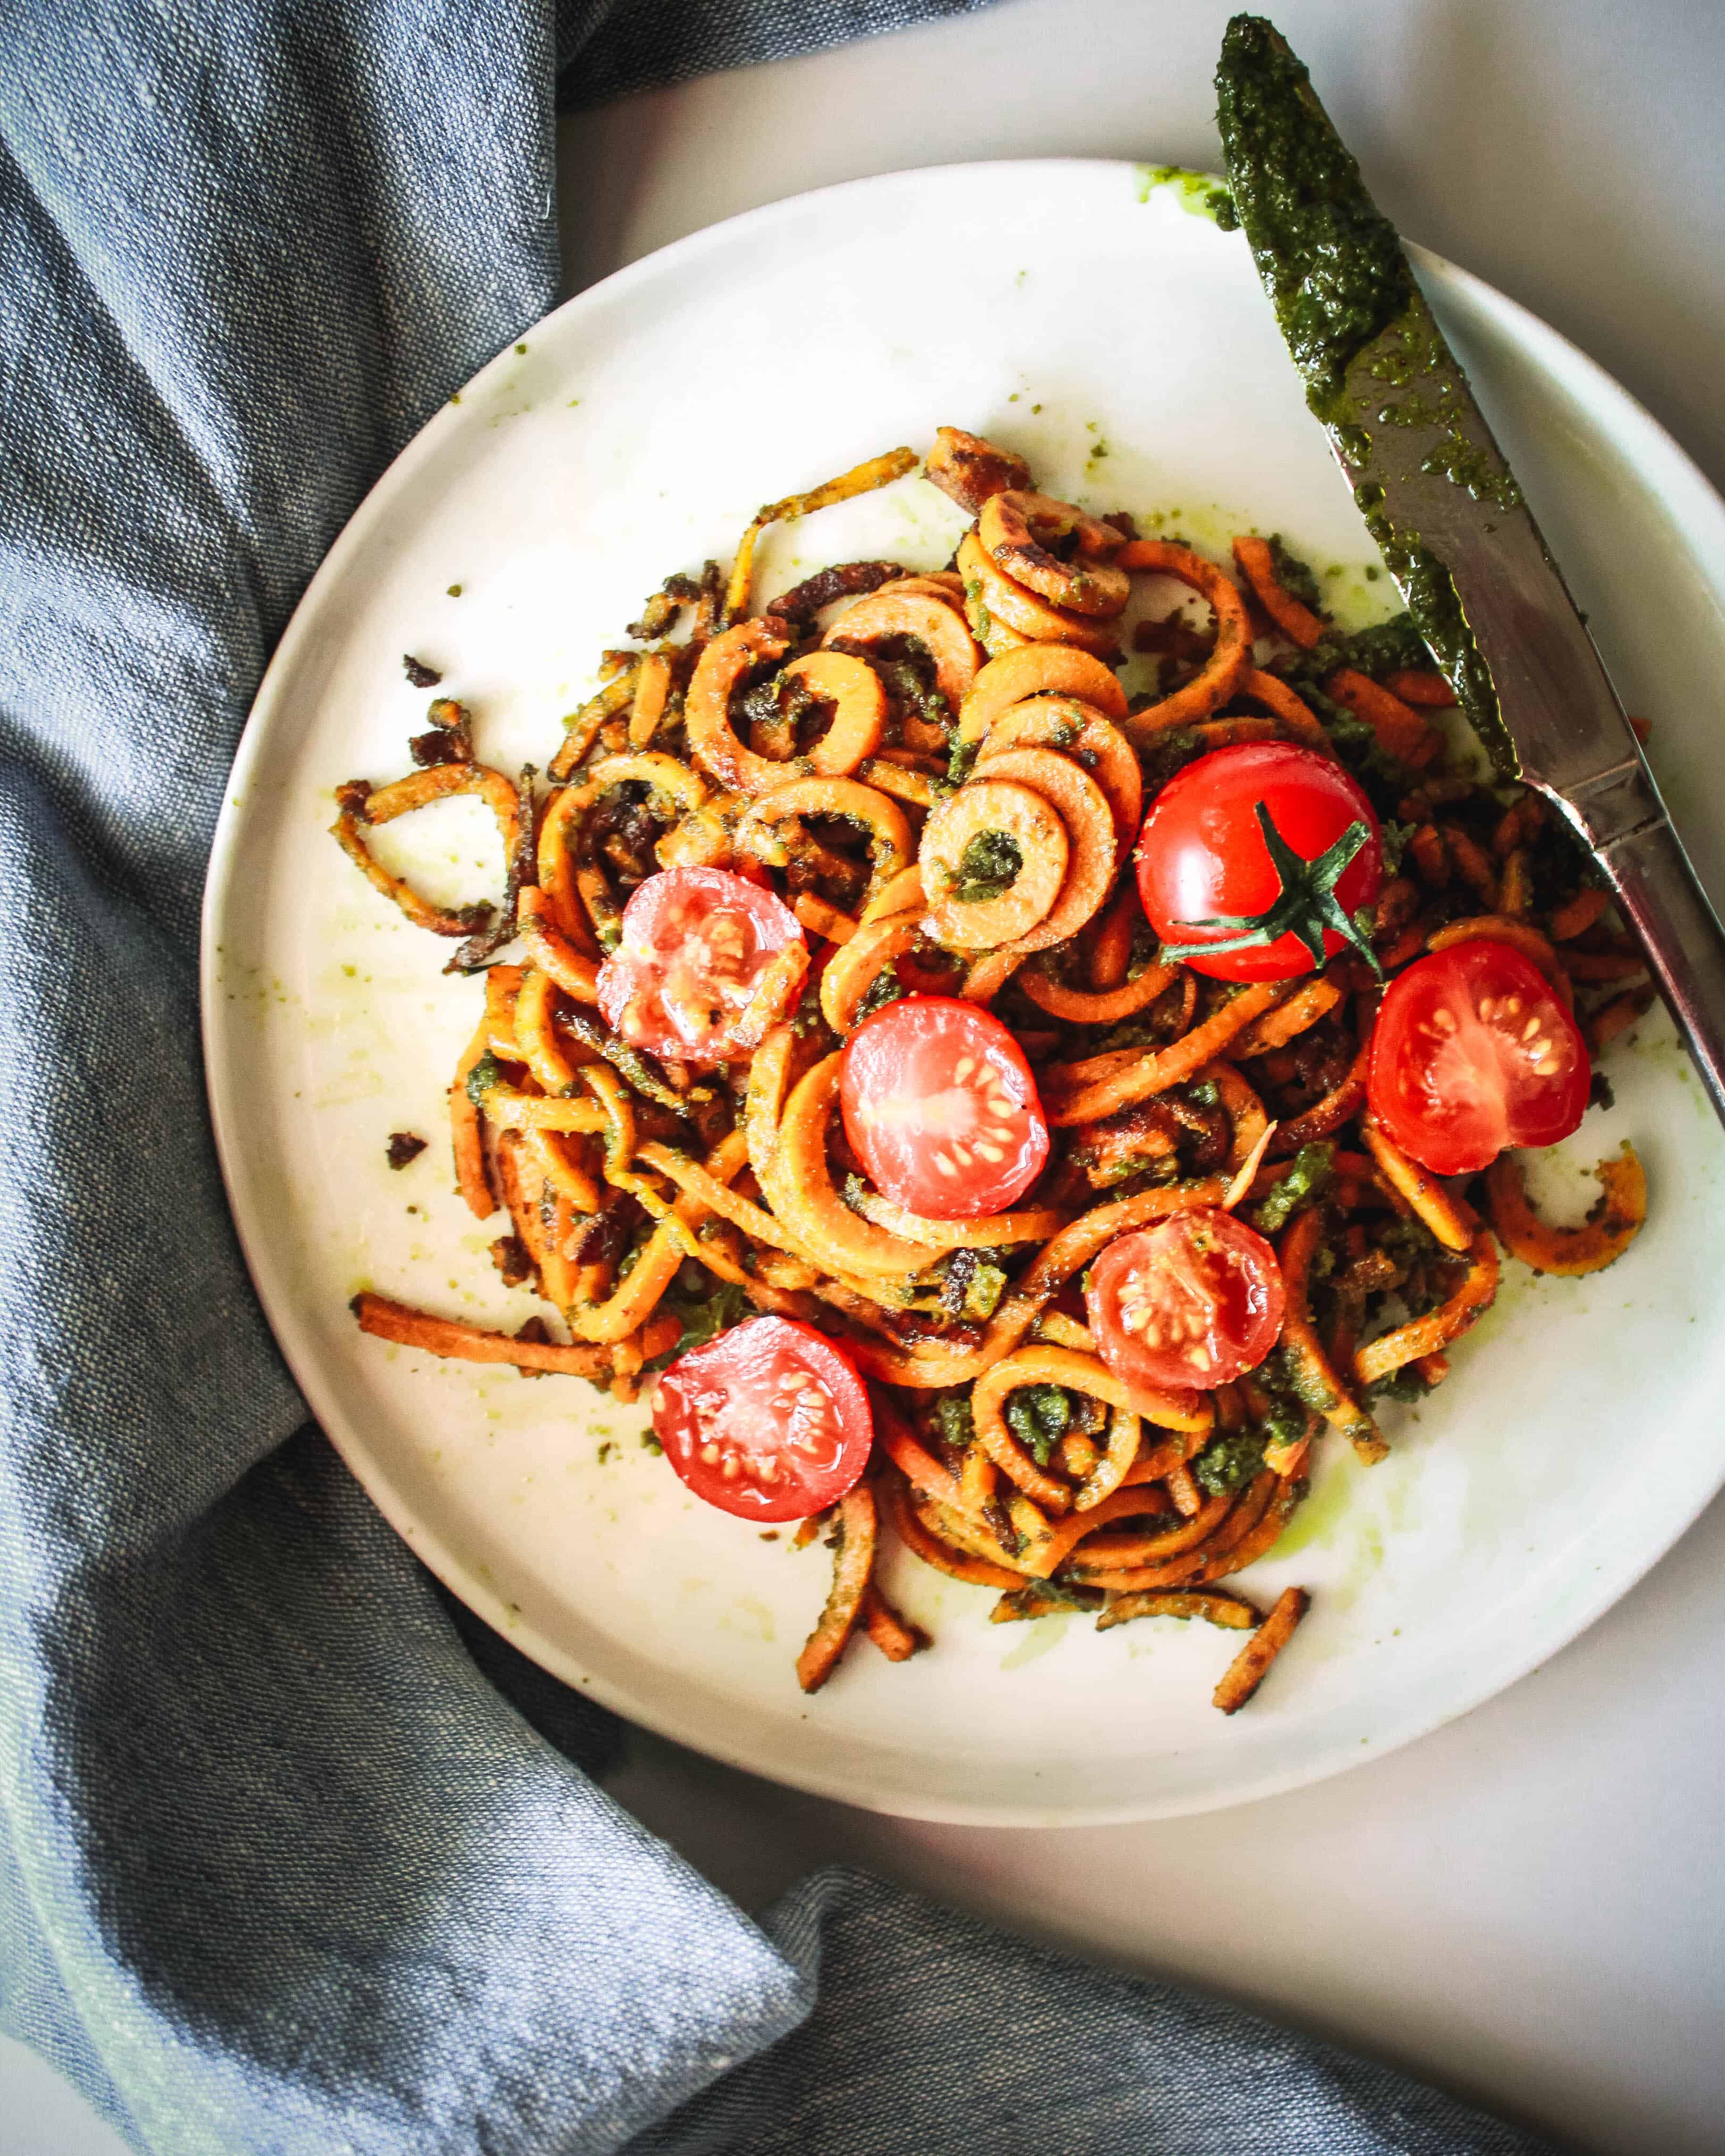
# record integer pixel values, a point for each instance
(1195, 1301)
(1472, 1052)
(1201, 852)
(769, 1421)
(697, 945)
(941, 1108)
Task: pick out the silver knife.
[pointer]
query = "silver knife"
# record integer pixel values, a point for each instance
(1455, 533)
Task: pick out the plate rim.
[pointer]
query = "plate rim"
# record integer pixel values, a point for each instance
(1658, 456)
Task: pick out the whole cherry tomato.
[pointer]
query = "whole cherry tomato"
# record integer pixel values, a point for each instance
(1253, 860)
(1472, 1052)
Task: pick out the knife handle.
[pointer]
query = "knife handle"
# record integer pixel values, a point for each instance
(1663, 901)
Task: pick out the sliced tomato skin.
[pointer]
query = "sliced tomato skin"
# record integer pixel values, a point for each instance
(910, 1103)
(1201, 851)
(738, 1397)
(695, 943)
(1147, 1328)
(1453, 1074)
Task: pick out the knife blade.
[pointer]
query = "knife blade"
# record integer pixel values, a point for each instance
(1450, 518)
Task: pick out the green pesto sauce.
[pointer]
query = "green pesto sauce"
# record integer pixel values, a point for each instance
(1413, 350)
(1229, 1461)
(1334, 268)
(991, 864)
(1037, 1415)
(1466, 464)
(1436, 606)
(1199, 194)
(1313, 1166)
(1331, 261)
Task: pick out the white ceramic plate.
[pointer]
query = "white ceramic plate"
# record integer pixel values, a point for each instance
(1121, 342)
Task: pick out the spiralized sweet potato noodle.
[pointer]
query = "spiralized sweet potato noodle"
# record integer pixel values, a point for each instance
(1611, 1226)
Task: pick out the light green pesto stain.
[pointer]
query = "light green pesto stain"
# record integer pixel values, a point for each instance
(1041, 1634)
(1331, 1502)
(1199, 194)
(1332, 1519)
(751, 1616)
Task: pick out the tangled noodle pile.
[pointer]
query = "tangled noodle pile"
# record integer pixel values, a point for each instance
(943, 776)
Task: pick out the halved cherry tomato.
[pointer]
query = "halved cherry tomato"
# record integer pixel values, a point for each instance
(691, 976)
(1204, 855)
(941, 1108)
(1197, 1300)
(769, 1421)
(1472, 1052)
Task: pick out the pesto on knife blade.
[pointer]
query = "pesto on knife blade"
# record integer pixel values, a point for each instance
(1332, 262)
(1348, 307)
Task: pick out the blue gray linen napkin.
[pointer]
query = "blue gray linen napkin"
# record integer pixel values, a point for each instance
(282, 1871)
